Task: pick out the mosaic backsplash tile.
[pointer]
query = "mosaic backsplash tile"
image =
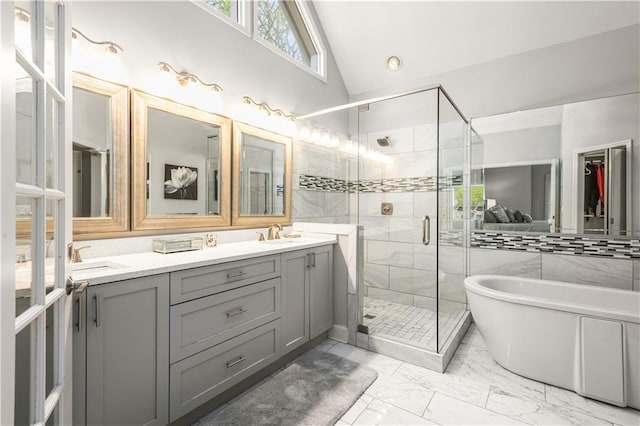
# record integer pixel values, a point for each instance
(558, 244)
(319, 183)
(414, 184)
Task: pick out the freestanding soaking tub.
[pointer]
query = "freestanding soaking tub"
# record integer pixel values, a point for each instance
(577, 337)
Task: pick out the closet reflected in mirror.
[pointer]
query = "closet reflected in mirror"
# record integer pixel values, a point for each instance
(262, 176)
(100, 156)
(181, 158)
(604, 187)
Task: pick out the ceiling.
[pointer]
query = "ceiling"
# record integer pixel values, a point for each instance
(438, 39)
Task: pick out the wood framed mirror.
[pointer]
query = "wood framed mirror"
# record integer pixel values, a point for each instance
(100, 157)
(261, 177)
(181, 166)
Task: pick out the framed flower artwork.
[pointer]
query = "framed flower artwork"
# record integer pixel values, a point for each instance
(180, 182)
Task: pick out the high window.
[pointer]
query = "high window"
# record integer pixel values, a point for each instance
(228, 8)
(283, 26)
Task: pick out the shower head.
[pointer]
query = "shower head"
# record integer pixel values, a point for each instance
(384, 141)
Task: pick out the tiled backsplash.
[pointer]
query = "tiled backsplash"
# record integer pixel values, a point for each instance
(411, 184)
(319, 183)
(559, 244)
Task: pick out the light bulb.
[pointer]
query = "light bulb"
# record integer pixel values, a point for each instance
(394, 63)
(305, 133)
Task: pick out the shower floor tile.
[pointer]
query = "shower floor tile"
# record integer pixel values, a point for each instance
(407, 324)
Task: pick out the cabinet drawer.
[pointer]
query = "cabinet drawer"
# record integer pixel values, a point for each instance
(197, 379)
(203, 323)
(199, 282)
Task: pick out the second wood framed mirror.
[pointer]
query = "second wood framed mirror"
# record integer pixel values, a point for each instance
(181, 166)
(261, 177)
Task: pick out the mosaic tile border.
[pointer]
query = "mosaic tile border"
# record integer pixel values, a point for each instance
(414, 184)
(558, 244)
(319, 183)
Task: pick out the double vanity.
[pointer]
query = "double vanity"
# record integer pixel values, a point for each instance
(157, 336)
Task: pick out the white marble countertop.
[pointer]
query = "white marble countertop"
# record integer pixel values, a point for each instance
(118, 268)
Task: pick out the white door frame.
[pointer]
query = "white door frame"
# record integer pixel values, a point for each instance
(42, 406)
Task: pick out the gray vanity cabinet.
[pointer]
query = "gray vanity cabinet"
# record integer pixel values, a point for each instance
(127, 352)
(307, 295)
(295, 299)
(321, 290)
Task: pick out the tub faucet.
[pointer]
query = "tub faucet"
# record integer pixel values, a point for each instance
(274, 232)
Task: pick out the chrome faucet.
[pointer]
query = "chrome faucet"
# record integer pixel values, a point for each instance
(274, 232)
(74, 254)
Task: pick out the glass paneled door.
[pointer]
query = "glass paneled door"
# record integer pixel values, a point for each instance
(35, 218)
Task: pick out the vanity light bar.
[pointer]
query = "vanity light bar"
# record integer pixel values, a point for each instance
(111, 46)
(185, 77)
(265, 107)
(23, 15)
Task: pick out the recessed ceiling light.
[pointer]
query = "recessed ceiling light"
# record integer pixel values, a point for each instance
(394, 63)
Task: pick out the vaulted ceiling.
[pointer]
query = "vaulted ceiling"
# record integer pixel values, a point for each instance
(491, 56)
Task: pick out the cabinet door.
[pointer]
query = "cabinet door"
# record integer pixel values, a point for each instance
(321, 290)
(295, 299)
(128, 352)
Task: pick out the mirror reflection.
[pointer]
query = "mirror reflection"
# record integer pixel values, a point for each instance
(569, 168)
(183, 162)
(262, 176)
(100, 156)
(92, 153)
(182, 167)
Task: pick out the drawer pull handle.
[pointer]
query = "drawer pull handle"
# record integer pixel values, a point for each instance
(235, 274)
(96, 301)
(236, 312)
(235, 361)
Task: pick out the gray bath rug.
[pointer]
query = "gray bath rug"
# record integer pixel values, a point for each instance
(315, 389)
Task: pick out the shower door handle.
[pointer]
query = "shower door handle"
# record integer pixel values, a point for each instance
(426, 230)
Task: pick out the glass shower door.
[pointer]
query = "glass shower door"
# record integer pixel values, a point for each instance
(396, 190)
(452, 223)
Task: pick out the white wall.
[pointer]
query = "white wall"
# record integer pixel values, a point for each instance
(532, 144)
(189, 38)
(539, 188)
(92, 119)
(510, 186)
(599, 122)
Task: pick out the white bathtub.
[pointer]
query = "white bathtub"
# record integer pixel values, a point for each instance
(577, 337)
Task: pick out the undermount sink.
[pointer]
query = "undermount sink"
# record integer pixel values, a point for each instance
(96, 266)
(287, 241)
(280, 241)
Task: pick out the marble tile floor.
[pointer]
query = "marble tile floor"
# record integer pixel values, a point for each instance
(474, 390)
(408, 324)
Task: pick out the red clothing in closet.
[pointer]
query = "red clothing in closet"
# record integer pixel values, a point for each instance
(600, 178)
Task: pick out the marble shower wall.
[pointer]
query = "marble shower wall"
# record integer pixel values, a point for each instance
(398, 267)
(327, 203)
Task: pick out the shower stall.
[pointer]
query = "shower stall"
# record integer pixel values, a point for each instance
(408, 189)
